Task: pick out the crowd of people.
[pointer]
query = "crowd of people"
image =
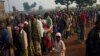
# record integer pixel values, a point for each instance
(35, 35)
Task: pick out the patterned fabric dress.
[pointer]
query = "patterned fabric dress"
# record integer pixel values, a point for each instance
(30, 45)
(36, 38)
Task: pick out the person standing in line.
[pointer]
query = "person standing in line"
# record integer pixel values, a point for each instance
(16, 41)
(49, 23)
(81, 22)
(93, 40)
(44, 39)
(4, 40)
(28, 30)
(9, 28)
(36, 35)
(40, 25)
(30, 45)
(23, 40)
(69, 25)
(60, 48)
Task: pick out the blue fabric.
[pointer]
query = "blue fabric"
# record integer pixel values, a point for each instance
(81, 32)
(5, 36)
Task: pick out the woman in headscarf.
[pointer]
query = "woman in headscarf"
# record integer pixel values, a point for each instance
(59, 45)
(36, 36)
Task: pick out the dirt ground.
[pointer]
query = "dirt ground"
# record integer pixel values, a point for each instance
(72, 47)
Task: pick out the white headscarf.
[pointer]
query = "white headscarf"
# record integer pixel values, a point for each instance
(58, 34)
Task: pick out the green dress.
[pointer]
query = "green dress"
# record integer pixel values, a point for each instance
(30, 45)
(36, 38)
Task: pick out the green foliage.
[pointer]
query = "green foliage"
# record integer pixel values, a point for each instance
(14, 8)
(82, 2)
(33, 5)
(60, 1)
(40, 7)
(26, 6)
(98, 6)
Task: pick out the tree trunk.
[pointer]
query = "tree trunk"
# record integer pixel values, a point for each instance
(67, 5)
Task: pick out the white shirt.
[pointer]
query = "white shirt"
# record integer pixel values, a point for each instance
(40, 26)
(45, 22)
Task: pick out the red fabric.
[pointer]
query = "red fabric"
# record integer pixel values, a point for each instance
(47, 42)
(82, 17)
(45, 26)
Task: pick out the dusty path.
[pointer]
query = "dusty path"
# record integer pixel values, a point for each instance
(74, 48)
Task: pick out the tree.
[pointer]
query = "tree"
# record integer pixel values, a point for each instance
(40, 8)
(98, 6)
(33, 5)
(83, 3)
(14, 8)
(26, 6)
(58, 8)
(79, 2)
(63, 2)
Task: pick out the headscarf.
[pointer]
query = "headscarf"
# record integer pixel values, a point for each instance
(25, 22)
(58, 34)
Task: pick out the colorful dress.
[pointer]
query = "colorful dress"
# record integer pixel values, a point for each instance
(36, 37)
